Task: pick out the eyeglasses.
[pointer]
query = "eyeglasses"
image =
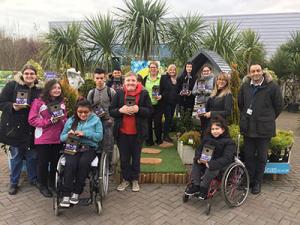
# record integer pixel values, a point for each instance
(83, 112)
(32, 74)
(152, 67)
(205, 71)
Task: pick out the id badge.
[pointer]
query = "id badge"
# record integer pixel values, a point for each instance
(249, 111)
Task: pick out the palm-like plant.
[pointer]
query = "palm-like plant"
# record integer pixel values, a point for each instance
(184, 37)
(142, 25)
(65, 46)
(252, 50)
(281, 63)
(286, 64)
(101, 37)
(292, 48)
(224, 39)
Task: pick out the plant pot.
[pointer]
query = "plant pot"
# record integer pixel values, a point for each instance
(293, 107)
(186, 153)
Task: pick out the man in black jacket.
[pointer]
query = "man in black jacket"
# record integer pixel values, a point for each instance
(260, 102)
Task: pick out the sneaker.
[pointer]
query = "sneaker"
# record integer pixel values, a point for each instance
(192, 189)
(203, 193)
(123, 185)
(74, 199)
(13, 189)
(65, 202)
(135, 186)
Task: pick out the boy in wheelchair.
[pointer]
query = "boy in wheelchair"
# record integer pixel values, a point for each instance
(215, 153)
(82, 133)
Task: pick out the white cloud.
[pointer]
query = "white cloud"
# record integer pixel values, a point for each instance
(29, 17)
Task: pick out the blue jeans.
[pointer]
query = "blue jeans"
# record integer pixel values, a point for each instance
(16, 162)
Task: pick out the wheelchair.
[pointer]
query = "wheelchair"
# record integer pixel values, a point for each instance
(98, 183)
(233, 183)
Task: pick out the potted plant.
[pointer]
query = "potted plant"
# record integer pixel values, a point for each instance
(280, 146)
(187, 143)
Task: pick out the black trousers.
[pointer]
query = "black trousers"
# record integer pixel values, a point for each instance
(77, 169)
(47, 153)
(202, 176)
(169, 115)
(256, 156)
(130, 155)
(156, 117)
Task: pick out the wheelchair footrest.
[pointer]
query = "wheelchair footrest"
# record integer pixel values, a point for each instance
(84, 201)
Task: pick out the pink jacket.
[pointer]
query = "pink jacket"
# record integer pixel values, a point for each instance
(45, 131)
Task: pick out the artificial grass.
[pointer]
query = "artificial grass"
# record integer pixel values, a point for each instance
(171, 162)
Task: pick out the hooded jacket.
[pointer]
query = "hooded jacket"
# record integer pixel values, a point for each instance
(266, 103)
(141, 117)
(45, 132)
(223, 153)
(92, 129)
(14, 127)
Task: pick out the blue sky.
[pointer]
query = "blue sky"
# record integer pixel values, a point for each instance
(30, 17)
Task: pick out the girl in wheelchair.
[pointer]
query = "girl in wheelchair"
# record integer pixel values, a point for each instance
(82, 133)
(215, 153)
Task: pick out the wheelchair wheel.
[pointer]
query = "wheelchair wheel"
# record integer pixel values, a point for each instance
(98, 203)
(235, 184)
(58, 186)
(103, 175)
(185, 198)
(56, 205)
(208, 208)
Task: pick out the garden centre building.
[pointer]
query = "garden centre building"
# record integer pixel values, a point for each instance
(274, 29)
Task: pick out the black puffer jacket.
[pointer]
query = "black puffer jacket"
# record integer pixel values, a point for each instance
(14, 127)
(223, 154)
(145, 110)
(267, 104)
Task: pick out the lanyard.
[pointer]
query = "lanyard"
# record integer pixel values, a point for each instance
(254, 91)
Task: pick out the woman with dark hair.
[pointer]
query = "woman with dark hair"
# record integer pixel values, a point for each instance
(185, 86)
(215, 153)
(48, 116)
(85, 127)
(205, 82)
(168, 90)
(15, 131)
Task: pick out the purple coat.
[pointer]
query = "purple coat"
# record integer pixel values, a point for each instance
(46, 132)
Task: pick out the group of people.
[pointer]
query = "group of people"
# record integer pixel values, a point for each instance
(123, 110)
(260, 102)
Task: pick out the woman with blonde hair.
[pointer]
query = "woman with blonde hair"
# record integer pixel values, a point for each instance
(168, 89)
(220, 101)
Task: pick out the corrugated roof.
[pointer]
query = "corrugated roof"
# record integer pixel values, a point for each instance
(274, 28)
